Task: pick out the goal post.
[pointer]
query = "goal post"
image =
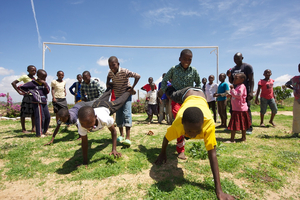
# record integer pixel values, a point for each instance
(215, 49)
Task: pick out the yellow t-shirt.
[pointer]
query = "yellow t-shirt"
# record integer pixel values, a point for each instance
(59, 88)
(208, 128)
(24, 78)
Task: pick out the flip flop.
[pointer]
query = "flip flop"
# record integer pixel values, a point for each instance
(120, 139)
(127, 142)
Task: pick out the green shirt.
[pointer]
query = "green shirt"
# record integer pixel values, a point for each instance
(181, 78)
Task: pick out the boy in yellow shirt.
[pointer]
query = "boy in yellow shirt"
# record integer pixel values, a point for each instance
(194, 120)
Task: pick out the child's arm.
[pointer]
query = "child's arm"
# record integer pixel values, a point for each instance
(289, 84)
(136, 80)
(212, 155)
(162, 158)
(71, 89)
(54, 134)
(257, 94)
(65, 91)
(114, 142)
(236, 93)
(14, 84)
(84, 146)
(53, 93)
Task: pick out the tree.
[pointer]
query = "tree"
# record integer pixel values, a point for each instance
(282, 93)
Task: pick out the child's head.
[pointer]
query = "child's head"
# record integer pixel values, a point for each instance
(63, 115)
(60, 75)
(185, 58)
(31, 70)
(79, 78)
(211, 79)
(113, 64)
(299, 67)
(150, 80)
(267, 73)
(192, 121)
(238, 58)
(163, 75)
(42, 74)
(86, 75)
(239, 78)
(87, 117)
(152, 86)
(204, 81)
(222, 77)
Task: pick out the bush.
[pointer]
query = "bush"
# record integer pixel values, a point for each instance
(138, 107)
(12, 110)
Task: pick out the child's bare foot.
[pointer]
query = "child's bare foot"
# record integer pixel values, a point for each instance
(182, 156)
(272, 123)
(149, 123)
(262, 125)
(229, 141)
(243, 139)
(24, 131)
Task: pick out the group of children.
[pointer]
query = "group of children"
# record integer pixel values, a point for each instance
(190, 105)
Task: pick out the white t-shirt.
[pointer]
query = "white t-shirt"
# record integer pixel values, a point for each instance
(210, 90)
(103, 120)
(59, 88)
(152, 97)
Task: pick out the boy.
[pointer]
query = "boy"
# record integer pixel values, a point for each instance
(39, 90)
(26, 106)
(194, 120)
(90, 89)
(164, 106)
(58, 91)
(210, 89)
(223, 90)
(266, 97)
(147, 88)
(77, 86)
(204, 81)
(182, 75)
(152, 105)
(71, 116)
(294, 84)
(120, 80)
(249, 82)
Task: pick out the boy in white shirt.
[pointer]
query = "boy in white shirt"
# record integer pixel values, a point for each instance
(210, 89)
(152, 105)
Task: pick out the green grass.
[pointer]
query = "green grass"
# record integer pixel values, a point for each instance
(267, 163)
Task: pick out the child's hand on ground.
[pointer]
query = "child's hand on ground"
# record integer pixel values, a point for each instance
(116, 154)
(51, 142)
(161, 159)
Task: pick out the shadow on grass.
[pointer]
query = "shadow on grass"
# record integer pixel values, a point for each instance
(167, 175)
(265, 136)
(73, 163)
(71, 135)
(18, 134)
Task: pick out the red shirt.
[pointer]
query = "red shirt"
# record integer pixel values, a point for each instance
(266, 88)
(147, 87)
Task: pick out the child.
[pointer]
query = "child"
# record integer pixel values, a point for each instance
(152, 105)
(182, 75)
(39, 90)
(210, 89)
(240, 119)
(71, 116)
(164, 105)
(26, 106)
(266, 97)
(194, 120)
(120, 80)
(147, 88)
(58, 91)
(77, 86)
(294, 84)
(90, 89)
(223, 90)
(204, 81)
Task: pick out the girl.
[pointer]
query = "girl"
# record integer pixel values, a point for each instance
(26, 106)
(240, 119)
(58, 91)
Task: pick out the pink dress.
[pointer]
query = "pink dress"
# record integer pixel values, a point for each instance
(240, 119)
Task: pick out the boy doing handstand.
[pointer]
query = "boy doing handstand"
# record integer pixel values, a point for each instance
(194, 120)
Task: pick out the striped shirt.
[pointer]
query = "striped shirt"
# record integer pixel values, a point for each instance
(121, 80)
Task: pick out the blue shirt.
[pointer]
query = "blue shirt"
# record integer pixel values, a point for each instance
(77, 87)
(222, 88)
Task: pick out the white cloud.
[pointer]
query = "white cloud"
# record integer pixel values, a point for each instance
(4, 72)
(161, 15)
(281, 80)
(103, 61)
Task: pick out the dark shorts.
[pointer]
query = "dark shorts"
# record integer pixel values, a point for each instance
(59, 104)
(152, 109)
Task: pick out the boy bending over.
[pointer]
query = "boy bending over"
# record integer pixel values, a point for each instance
(194, 120)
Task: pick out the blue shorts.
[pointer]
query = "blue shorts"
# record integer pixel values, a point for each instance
(123, 115)
(264, 104)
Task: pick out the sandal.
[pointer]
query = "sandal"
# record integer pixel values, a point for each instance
(127, 142)
(120, 139)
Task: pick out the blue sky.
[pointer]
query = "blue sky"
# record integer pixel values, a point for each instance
(266, 32)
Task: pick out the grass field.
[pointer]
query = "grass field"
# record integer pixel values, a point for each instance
(266, 166)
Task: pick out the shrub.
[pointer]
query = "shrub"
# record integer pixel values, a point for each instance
(138, 107)
(12, 110)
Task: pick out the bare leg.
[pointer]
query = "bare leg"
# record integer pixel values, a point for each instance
(127, 133)
(150, 118)
(243, 135)
(262, 116)
(23, 125)
(182, 156)
(232, 136)
(32, 124)
(271, 119)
